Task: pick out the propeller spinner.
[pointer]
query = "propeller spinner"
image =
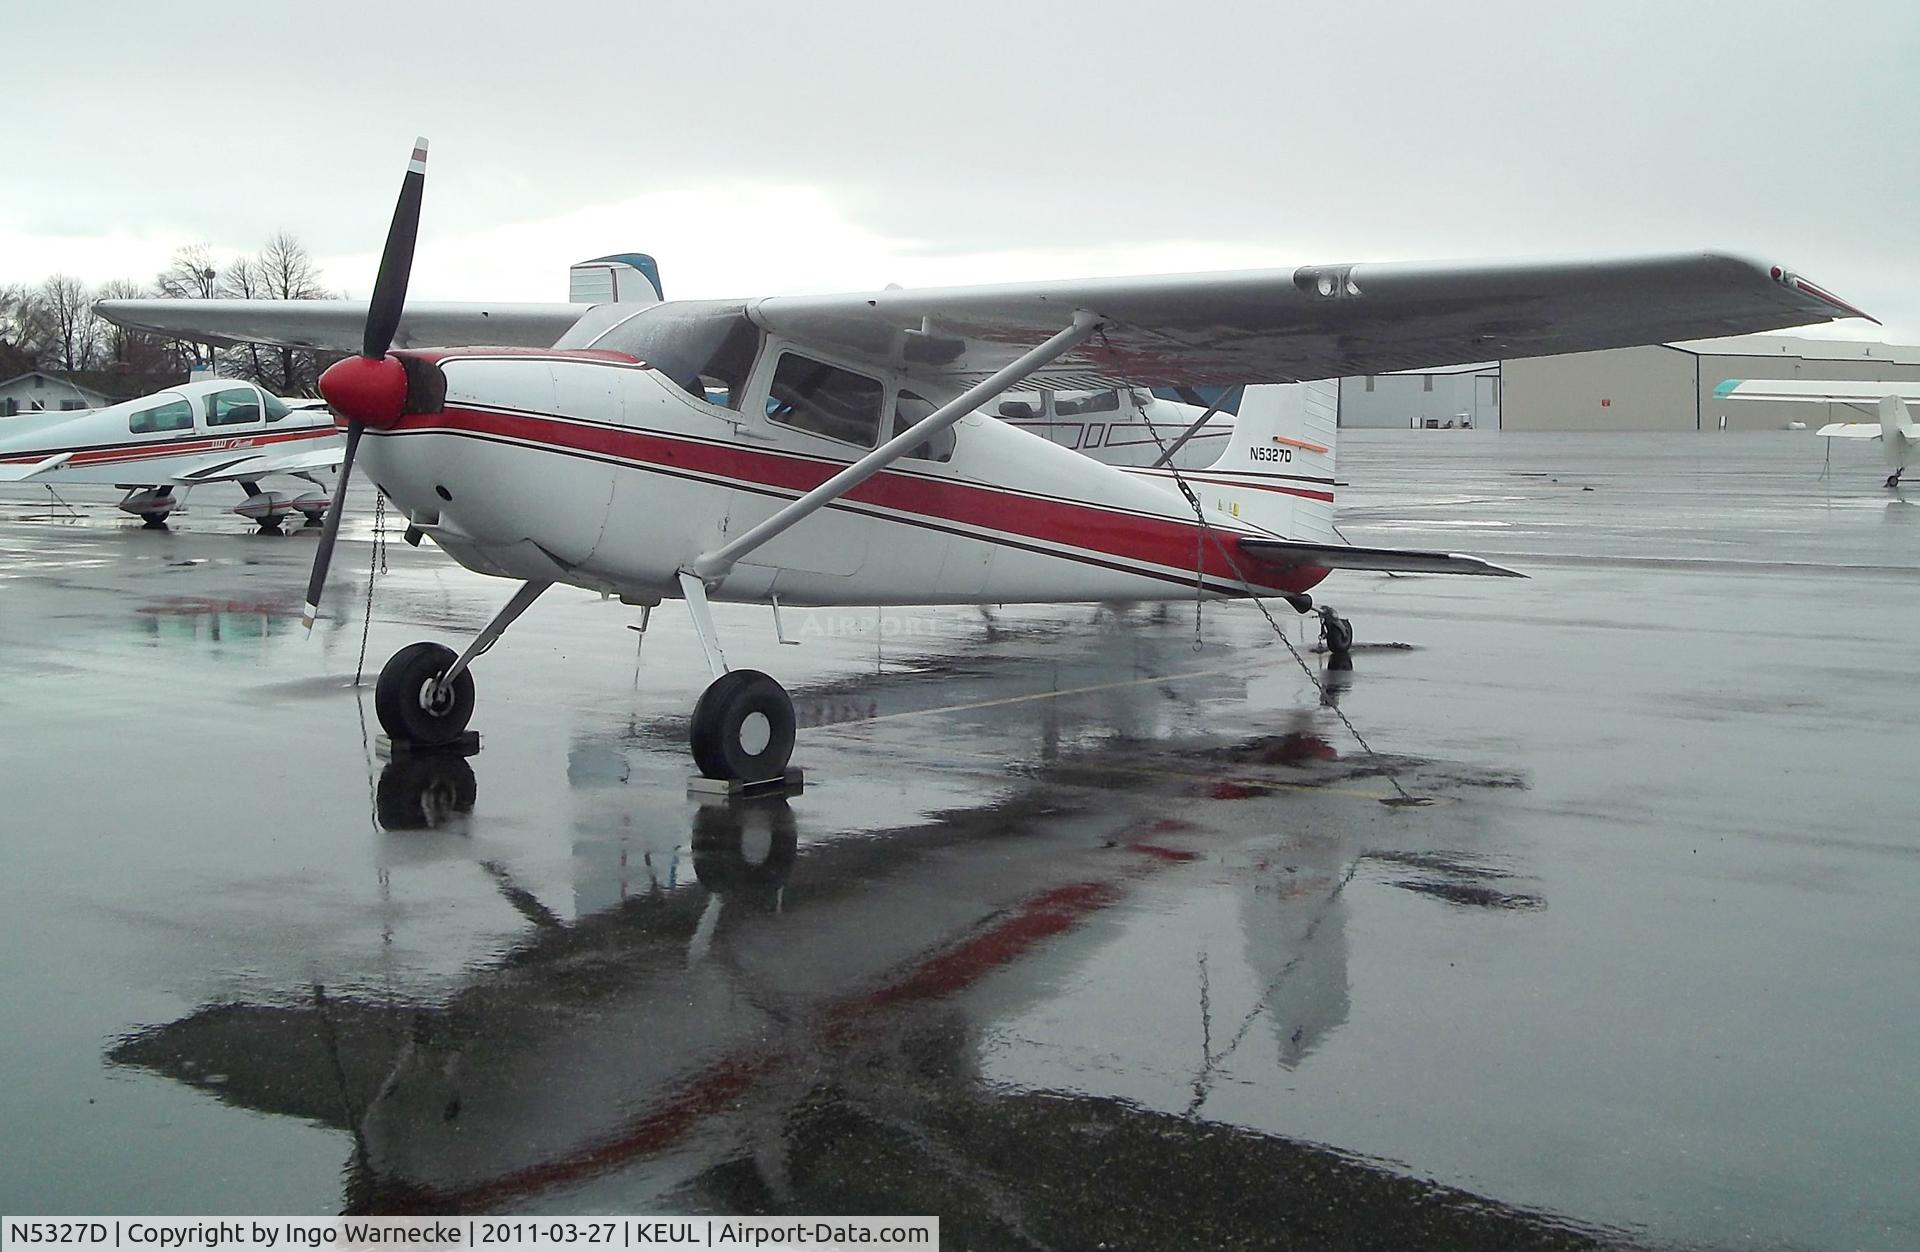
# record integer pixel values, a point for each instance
(371, 389)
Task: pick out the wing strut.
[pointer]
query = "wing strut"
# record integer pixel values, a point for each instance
(1166, 458)
(715, 564)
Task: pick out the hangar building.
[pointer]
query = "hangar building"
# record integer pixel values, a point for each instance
(1671, 386)
(1456, 395)
(1662, 387)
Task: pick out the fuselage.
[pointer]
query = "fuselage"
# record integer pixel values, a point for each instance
(160, 437)
(596, 470)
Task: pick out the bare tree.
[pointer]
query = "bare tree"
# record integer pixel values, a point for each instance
(19, 346)
(243, 281)
(282, 271)
(190, 275)
(137, 350)
(73, 334)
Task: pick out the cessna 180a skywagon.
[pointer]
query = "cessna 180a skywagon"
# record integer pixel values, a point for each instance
(160, 447)
(825, 450)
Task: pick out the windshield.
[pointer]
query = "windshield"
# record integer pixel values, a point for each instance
(706, 347)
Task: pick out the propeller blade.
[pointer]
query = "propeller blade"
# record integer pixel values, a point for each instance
(331, 530)
(396, 262)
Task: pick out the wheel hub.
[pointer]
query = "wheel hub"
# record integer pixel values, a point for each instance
(436, 697)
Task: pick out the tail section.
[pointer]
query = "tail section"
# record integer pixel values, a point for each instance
(1895, 420)
(1277, 471)
(623, 278)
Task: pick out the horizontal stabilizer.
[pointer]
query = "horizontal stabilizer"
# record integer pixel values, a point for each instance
(1391, 560)
(1850, 430)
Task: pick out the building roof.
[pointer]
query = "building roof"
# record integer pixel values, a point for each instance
(115, 385)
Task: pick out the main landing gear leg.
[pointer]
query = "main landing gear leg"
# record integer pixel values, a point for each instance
(743, 724)
(424, 696)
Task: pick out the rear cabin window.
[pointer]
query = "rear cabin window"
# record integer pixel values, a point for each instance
(910, 409)
(173, 415)
(232, 408)
(1098, 402)
(824, 399)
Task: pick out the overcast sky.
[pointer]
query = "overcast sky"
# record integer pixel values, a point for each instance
(760, 148)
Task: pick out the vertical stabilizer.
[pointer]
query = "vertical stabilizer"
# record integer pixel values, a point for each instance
(1277, 471)
(623, 278)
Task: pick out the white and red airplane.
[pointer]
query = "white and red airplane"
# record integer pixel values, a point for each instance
(160, 447)
(1899, 435)
(826, 450)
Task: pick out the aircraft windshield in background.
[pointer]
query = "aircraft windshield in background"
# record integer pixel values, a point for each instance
(1896, 430)
(827, 450)
(160, 447)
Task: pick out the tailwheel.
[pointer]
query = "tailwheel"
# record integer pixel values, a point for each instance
(742, 728)
(1336, 632)
(414, 705)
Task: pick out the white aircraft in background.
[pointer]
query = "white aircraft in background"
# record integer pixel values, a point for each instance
(160, 447)
(1896, 430)
(825, 450)
(1123, 426)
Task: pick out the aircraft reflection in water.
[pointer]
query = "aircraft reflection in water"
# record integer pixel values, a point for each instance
(200, 620)
(790, 1030)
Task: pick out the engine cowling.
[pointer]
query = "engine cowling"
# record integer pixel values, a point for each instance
(152, 503)
(266, 507)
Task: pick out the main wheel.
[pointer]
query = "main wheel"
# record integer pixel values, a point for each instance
(414, 705)
(1337, 631)
(743, 727)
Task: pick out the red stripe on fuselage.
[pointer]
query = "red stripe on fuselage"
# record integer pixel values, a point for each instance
(104, 454)
(1166, 542)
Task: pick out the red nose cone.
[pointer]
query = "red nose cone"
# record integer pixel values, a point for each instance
(365, 390)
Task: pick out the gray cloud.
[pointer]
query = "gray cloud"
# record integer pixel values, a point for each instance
(1330, 132)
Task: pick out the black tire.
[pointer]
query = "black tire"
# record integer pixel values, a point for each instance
(424, 792)
(154, 521)
(1338, 632)
(728, 706)
(403, 681)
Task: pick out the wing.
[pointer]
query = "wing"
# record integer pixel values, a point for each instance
(1394, 560)
(25, 473)
(1864, 391)
(338, 325)
(1324, 321)
(326, 456)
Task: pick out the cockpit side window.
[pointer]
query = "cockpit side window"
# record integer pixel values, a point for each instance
(824, 399)
(233, 407)
(175, 414)
(909, 409)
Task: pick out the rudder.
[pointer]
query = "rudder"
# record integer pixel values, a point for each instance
(1278, 469)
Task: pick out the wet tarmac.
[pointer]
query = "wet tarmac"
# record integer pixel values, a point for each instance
(1079, 934)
